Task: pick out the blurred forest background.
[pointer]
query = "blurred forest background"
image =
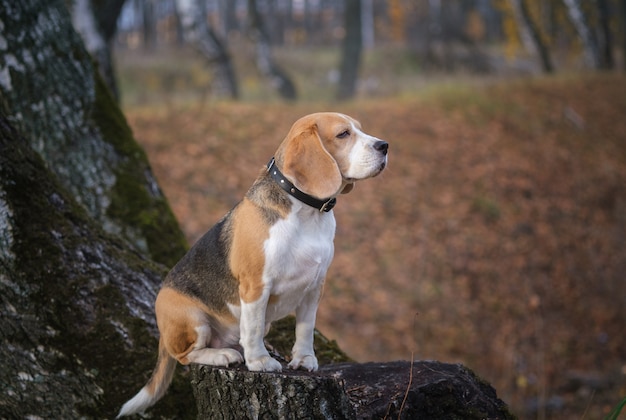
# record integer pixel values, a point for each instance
(496, 237)
(323, 49)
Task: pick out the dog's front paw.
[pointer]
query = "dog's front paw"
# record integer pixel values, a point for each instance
(264, 364)
(307, 361)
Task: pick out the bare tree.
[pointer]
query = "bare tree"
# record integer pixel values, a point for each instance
(264, 60)
(351, 54)
(529, 32)
(581, 22)
(368, 23)
(149, 24)
(96, 22)
(201, 36)
(228, 16)
(605, 36)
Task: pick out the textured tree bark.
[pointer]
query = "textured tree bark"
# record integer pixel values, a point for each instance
(398, 390)
(342, 389)
(76, 320)
(81, 220)
(84, 21)
(52, 94)
(96, 22)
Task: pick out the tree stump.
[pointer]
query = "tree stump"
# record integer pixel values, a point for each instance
(398, 390)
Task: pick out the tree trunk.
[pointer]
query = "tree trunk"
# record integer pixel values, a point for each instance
(398, 390)
(96, 22)
(581, 24)
(149, 24)
(83, 18)
(76, 319)
(351, 54)
(529, 30)
(606, 39)
(368, 24)
(77, 325)
(342, 389)
(61, 106)
(229, 16)
(197, 33)
(264, 60)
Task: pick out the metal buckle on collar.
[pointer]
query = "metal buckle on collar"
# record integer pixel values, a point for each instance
(270, 164)
(328, 206)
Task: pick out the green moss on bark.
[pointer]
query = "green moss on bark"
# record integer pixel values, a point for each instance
(282, 338)
(79, 319)
(137, 203)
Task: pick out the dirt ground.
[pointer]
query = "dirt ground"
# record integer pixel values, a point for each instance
(495, 238)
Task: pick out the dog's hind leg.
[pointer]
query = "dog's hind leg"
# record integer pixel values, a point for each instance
(187, 332)
(209, 356)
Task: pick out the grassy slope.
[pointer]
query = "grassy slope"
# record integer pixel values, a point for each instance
(497, 237)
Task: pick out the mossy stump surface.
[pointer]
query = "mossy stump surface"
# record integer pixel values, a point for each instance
(404, 390)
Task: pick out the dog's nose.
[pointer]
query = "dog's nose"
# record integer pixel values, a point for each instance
(381, 146)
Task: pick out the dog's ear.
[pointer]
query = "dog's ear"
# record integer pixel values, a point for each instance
(307, 162)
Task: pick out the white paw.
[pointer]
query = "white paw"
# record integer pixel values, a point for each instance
(264, 364)
(225, 357)
(215, 357)
(307, 361)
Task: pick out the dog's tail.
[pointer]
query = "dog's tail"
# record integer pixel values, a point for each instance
(156, 386)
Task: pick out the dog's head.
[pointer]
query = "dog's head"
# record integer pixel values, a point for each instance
(325, 153)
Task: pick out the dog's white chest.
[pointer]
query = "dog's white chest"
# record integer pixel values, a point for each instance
(298, 253)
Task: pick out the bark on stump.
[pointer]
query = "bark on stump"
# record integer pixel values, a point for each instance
(398, 390)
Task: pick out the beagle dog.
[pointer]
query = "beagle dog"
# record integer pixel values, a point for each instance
(265, 259)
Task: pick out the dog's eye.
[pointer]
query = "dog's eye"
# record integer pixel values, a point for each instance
(343, 134)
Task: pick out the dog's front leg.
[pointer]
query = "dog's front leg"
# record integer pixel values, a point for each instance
(252, 330)
(303, 355)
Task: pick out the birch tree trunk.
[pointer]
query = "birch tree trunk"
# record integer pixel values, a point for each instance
(56, 100)
(264, 61)
(197, 33)
(529, 32)
(81, 219)
(96, 22)
(76, 321)
(581, 24)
